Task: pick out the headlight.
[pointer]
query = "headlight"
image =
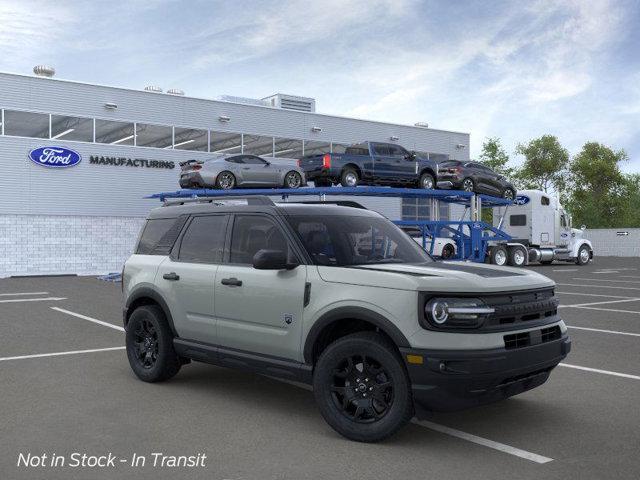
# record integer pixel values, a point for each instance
(456, 312)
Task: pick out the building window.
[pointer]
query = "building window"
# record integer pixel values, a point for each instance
(157, 136)
(190, 139)
(258, 145)
(287, 148)
(72, 128)
(114, 133)
(224, 142)
(316, 148)
(26, 124)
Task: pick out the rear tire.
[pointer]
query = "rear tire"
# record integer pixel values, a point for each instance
(149, 344)
(448, 251)
(362, 388)
(517, 257)
(499, 256)
(292, 180)
(349, 178)
(468, 185)
(509, 194)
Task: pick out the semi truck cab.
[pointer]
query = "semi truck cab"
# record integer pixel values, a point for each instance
(538, 221)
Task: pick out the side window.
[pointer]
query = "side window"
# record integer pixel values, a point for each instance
(544, 200)
(396, 151)
(238, 159)
(253, 160)
(252, 233)
(203, 242)
(381, 149)
(563, 221)
(517, 220)
(159, 235)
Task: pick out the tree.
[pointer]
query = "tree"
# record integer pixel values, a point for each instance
(599, 193)
(495, 157)
(545, 164)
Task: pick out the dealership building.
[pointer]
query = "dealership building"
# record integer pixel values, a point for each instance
(126, 144)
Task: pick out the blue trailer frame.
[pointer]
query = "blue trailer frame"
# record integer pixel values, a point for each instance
(471, 237)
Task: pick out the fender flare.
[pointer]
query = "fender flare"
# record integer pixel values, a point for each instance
(579, 244)
(147, 292)
(355, 313)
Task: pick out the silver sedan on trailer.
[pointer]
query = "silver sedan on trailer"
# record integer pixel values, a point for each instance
(240, 170)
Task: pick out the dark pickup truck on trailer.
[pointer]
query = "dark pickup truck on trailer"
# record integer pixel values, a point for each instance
(371, 163)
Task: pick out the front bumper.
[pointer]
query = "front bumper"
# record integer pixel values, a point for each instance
(450, 380)
(449, 183)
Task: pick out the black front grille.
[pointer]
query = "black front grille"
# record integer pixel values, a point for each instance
(535, 337)
(515, 308)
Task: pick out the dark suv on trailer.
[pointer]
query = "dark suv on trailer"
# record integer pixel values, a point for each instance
(474, 177)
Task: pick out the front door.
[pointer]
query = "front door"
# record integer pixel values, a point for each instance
(187, 278)
(257, 171)
(259, 311)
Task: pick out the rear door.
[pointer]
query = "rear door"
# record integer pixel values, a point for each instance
(187, 277)
(259, 311)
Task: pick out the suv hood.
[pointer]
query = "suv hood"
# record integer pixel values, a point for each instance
(438, 277)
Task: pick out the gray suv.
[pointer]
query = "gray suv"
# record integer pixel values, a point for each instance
(339, 298)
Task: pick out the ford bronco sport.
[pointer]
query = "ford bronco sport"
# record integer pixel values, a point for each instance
(339, 298)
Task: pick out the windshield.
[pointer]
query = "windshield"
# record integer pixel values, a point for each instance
(349, 240)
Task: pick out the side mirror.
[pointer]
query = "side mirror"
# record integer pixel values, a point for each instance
(272, 260)
(410, 156)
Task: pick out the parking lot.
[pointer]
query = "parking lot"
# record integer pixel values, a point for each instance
(67, 387)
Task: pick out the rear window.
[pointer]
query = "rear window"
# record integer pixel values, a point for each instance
(517, 220)
(159, 235)
(357, 150)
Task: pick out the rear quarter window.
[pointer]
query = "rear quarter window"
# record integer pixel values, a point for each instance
(159, 235)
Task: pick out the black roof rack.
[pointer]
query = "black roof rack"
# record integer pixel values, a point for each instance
(341, 203)
(222, 200)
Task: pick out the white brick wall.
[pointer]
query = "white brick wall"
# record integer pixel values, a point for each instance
(53, 244)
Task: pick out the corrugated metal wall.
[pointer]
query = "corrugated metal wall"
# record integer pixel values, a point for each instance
(614, 242)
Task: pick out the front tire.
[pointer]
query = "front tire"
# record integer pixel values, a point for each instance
(225, 180)
(149, 344)
(584, 255)
(427, 182)
(362, 388)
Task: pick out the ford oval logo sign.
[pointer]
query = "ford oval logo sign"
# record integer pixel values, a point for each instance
(521, 200)
(56, 157)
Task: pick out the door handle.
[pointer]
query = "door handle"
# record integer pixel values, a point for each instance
(231, 282)
(246, 168)
(171, 276)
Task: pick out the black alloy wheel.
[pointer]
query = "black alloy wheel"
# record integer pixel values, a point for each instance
(508, 194)
(361, 389)
(146, 343)
(468, 185)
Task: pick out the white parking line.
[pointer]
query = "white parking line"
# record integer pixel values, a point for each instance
(596, 286)
(593, 294)
(565, 269)
(89, 319)
(22, 293)
(597, 370)
(592, 303)
(609, 310)
(605, 280)
(43, 299)
(57, 354)
(534, 457)
(599, 330)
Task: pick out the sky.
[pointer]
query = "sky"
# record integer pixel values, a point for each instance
(514, 70)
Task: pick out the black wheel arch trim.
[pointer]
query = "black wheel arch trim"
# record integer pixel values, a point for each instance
(148, 292)
(352, 313)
